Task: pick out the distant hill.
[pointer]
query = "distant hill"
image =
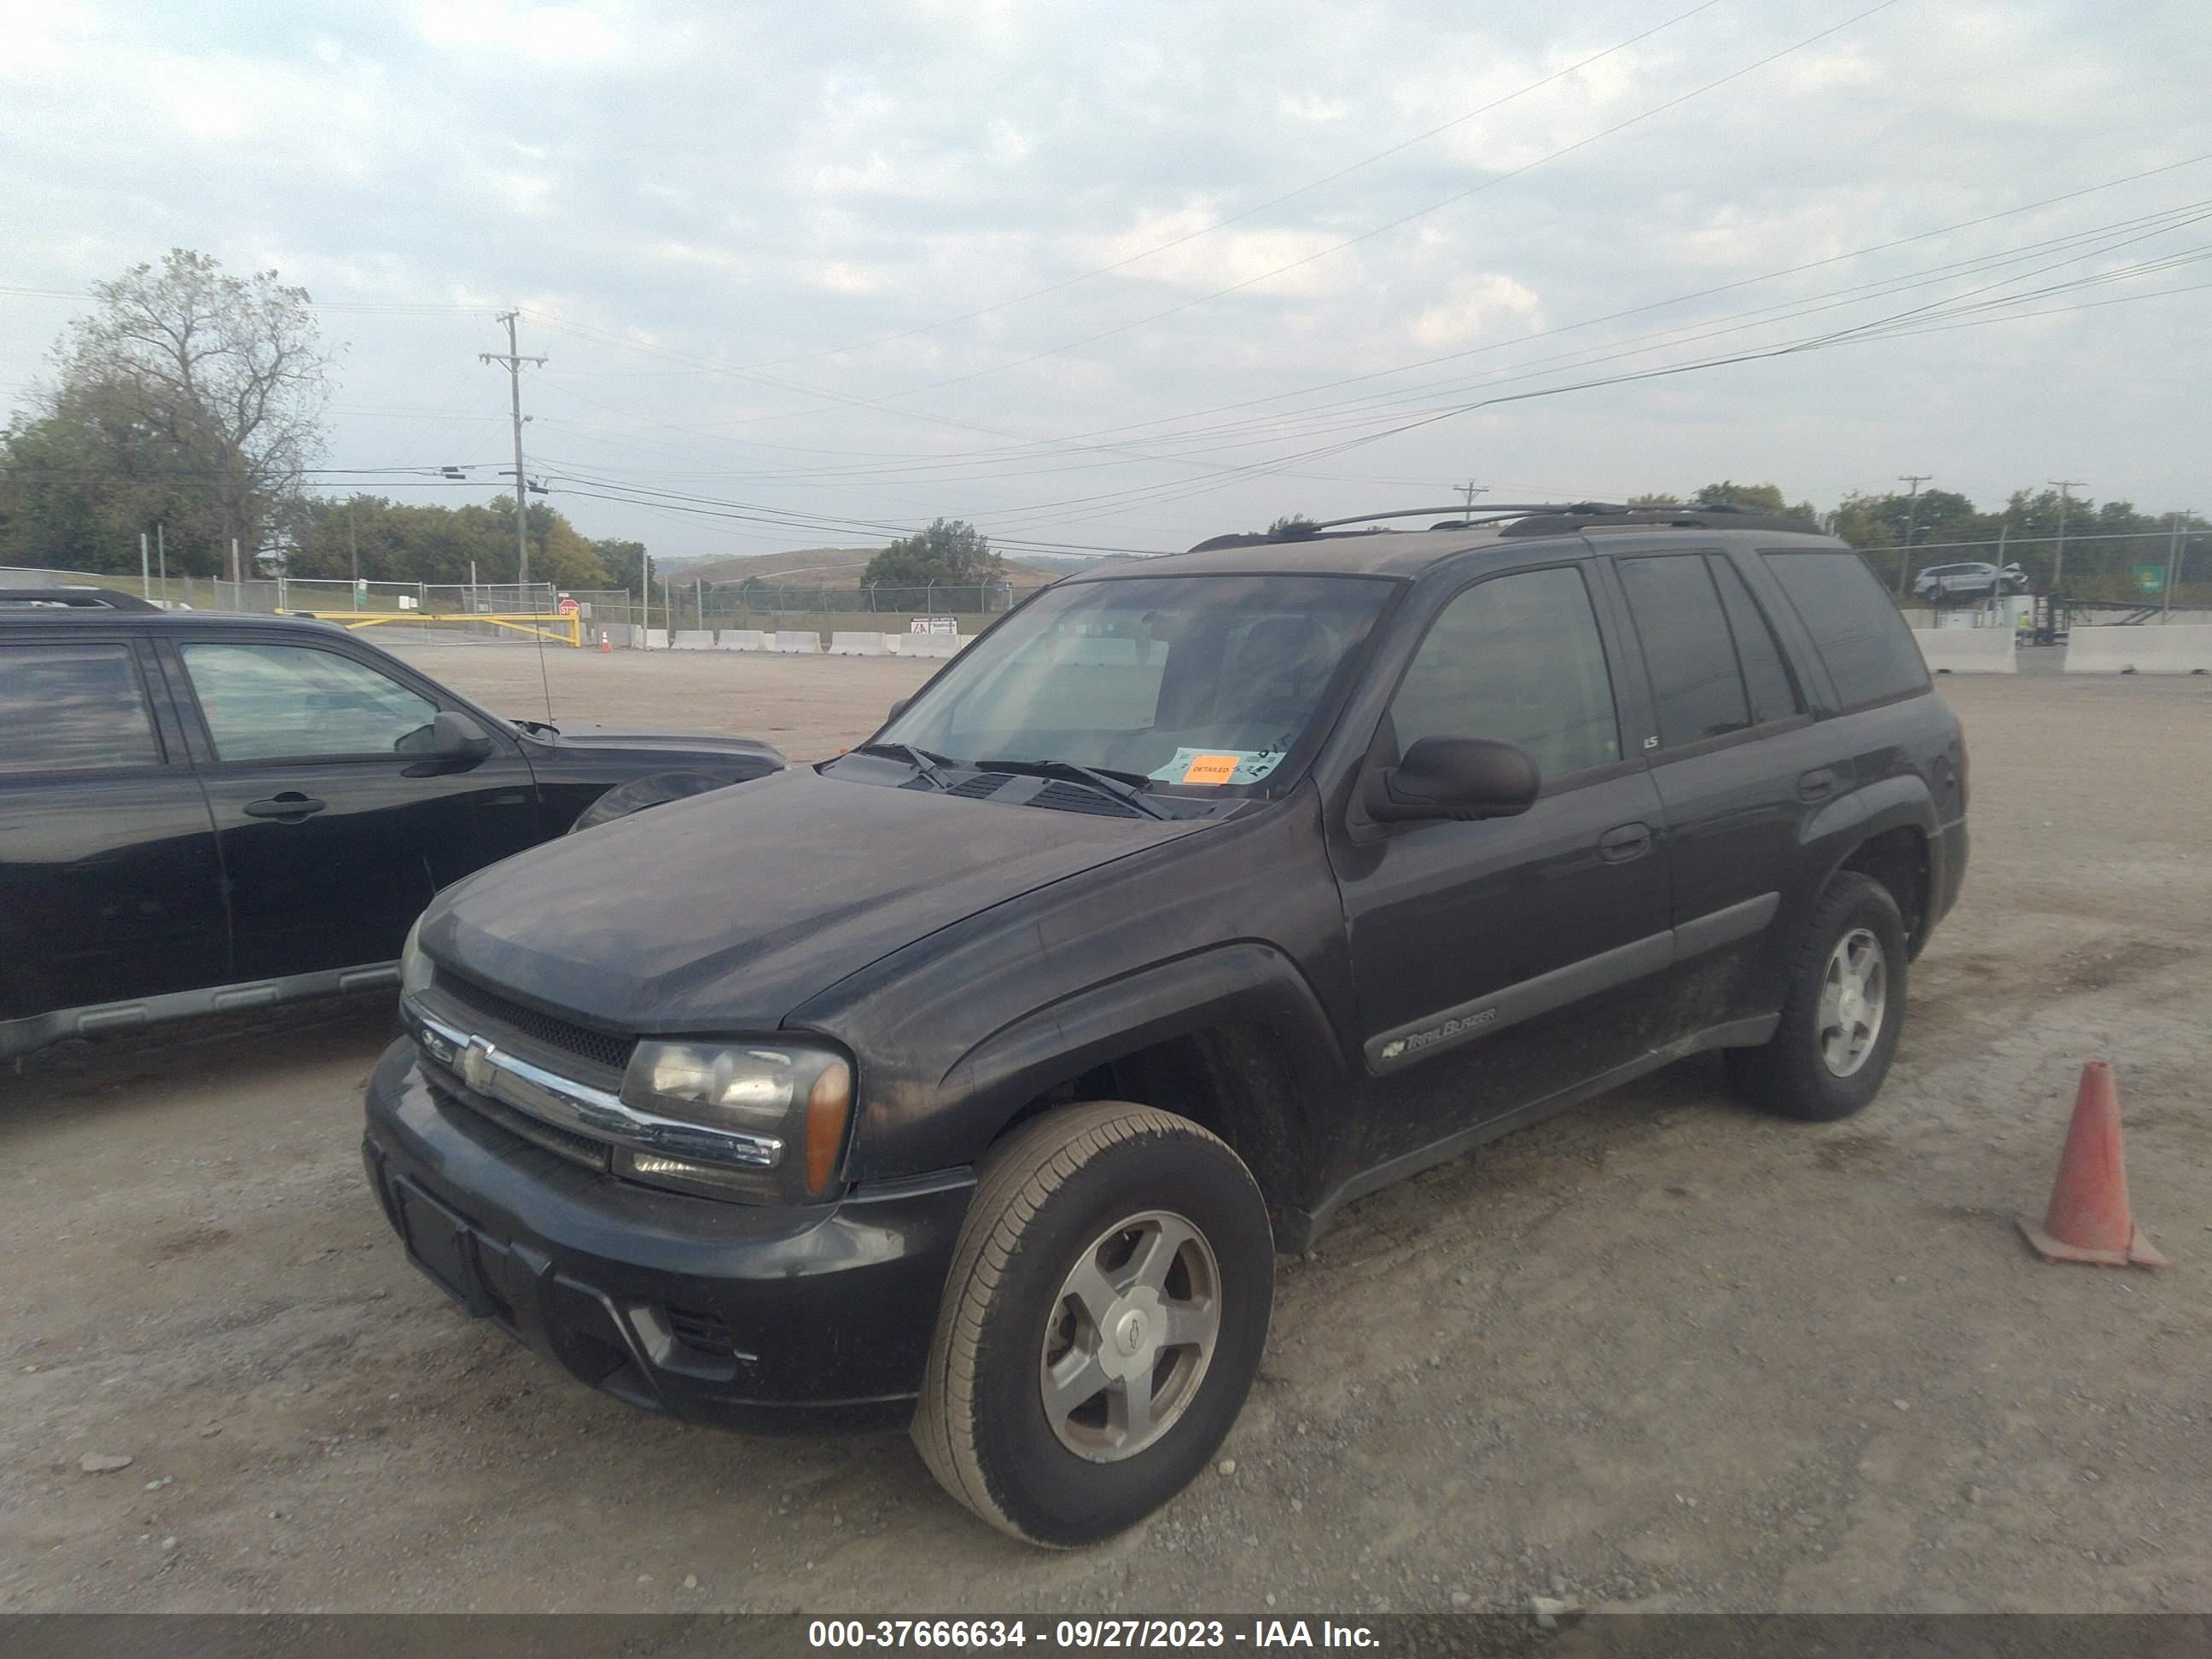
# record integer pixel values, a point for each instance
(824, 567)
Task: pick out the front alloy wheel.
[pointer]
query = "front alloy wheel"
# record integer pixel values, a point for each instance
(1103, 1321)
(1127, 1342)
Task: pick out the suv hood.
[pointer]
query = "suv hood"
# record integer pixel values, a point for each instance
(592, 735)
(723, 913)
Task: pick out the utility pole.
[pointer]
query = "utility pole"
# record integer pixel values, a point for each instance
(353, 542)
(2058, 561)
(1912, 517)
(512, 359)
(161, 552)
(2172, 561)
(1471, 490)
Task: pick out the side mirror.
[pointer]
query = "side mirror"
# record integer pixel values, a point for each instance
(1453, 778)
(455, 737)
(899, 707)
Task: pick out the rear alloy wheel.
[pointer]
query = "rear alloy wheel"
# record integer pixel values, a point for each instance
(1843, 1011)
(1103, 1321)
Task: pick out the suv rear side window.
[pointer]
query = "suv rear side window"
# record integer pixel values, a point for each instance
(1765, 674)
(1695, 684)
(72, 709)
(287, 702)
(1869, 652)
(1518, 657)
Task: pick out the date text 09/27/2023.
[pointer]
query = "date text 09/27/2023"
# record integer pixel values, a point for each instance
(1082, 1634)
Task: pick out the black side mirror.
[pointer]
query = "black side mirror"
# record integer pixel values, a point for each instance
(456, 737)
(899, 707)
(1453, 778)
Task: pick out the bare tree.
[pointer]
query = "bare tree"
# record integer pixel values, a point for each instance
(227, 371)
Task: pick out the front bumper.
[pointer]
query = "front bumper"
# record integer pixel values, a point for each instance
(746, 1315)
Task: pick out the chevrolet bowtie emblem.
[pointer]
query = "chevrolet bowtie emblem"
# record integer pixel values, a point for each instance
(477, 1068)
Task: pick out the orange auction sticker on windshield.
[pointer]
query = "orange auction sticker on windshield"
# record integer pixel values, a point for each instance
(1210, 769)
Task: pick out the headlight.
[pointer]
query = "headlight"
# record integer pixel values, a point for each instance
(789, 1102)
(414, 966)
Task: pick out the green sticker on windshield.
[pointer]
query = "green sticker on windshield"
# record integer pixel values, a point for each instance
(1204, 766)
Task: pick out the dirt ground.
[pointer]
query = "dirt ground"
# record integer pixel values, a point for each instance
(1659, 1354)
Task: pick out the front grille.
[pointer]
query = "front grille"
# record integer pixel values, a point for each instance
(602, 1048)
(561, 1143)
(1067, 798)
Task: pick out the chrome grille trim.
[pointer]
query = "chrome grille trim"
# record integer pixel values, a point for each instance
(578, 1107)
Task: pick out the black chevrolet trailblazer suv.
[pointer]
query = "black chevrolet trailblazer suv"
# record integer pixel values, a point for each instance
(202, 813)
(972, 1078)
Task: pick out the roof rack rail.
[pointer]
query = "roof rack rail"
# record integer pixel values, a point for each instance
(76, 596)
(1522, 518)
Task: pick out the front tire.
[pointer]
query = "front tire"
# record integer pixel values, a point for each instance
(1843, 1014)
(1101, 1323)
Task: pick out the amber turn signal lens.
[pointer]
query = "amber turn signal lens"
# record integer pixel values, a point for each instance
(828, 1105)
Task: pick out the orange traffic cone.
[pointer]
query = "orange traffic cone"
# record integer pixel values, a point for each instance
(604, 648)
(2088, 1219)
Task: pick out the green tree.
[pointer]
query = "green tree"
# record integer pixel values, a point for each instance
(950, 553)
(191, 392)
(440, 544)
(1291, 527)
(624, 560)
(1655, 500)
(1752, 497)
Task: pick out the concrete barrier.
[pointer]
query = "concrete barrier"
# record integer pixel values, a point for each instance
(2144, 648)
(656, 639)
(742, 639)
(801, 641)
(857, 645)
(1967, 650)
(694, 639)
(930, 645)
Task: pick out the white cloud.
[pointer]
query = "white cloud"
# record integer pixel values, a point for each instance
(814, 192)
(1474, 307)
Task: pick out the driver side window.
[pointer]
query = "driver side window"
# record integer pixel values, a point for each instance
(1518, 657)
(289, 701)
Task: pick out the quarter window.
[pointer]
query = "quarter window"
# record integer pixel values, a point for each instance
(1695, 683)
(287, 702)
(1868, 650)
(1518, 658)
(72, 709)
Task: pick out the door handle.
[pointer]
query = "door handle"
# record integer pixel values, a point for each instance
(1624, 842)
(1818, 784)
(290, 807)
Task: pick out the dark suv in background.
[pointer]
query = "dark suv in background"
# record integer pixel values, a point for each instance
(972, 1078)
(201, 812)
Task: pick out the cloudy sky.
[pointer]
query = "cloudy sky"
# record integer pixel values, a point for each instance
(1128, 275)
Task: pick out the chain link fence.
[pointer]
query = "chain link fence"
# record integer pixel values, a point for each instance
(426, 612)
(770, 606)
(2145, 568)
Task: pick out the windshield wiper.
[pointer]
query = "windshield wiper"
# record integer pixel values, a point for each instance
(920, 759)
(1119, 785)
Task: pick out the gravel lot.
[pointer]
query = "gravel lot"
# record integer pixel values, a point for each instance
(1657, 1353)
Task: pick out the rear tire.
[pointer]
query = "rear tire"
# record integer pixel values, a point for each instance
(1843, 1014)
(1103, 1321)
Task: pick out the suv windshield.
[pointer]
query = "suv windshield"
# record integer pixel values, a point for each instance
(1203, 680)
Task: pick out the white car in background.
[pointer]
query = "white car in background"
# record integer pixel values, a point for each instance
(1977, 580)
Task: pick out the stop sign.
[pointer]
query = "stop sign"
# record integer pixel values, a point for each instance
(569, 607)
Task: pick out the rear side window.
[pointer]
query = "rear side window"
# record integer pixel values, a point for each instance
(1765, 675)
(72, 709)
(1687, 650)
(1868, 650)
